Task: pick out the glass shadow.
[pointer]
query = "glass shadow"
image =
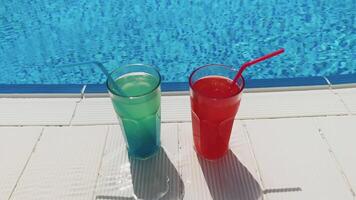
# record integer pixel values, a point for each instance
(227, 178)
(152, 179)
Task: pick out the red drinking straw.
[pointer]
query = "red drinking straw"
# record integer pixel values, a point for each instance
(252, 62)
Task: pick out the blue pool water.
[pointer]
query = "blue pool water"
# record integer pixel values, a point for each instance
(38, 37)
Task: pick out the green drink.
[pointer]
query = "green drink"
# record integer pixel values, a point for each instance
(136, 95)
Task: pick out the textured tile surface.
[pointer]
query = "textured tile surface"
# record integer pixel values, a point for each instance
(290, 104)
(349, 98)
(340, 135)
(95, 111)
(16, 146)
(294, 161)
(55, 111)
(175, 109)
(64, 165)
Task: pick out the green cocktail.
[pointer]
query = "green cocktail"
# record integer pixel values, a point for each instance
(136, 96)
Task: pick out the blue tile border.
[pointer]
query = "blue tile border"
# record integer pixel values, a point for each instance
(95, 88)
(174, 86)
(286, 82)
(40, 89)
(342, 79)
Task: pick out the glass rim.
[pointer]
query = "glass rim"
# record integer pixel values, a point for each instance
(134, 96)
(219, 65)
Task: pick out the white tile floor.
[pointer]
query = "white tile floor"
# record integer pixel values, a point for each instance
(16, 147)
(347, 95)
(284, 145)
(37, 111)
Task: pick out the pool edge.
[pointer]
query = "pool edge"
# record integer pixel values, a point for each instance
(177, 88)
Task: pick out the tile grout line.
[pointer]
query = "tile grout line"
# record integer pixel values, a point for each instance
(26, 164)
(336, 160)
(249, 141)
(101, 162)
(332, 90)
(294, 116)
(184, 121)
(75, 110)
(179, 157)
(82, 92)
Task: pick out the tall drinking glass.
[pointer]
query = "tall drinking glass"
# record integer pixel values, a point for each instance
(214, 101)
(136, 96)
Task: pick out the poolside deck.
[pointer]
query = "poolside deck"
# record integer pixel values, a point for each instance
(288, 145)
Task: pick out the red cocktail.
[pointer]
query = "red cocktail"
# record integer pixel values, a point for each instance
(215, 100)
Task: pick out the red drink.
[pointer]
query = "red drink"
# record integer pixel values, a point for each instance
(215, 101)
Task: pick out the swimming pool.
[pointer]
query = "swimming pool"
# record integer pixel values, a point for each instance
(39, 38)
